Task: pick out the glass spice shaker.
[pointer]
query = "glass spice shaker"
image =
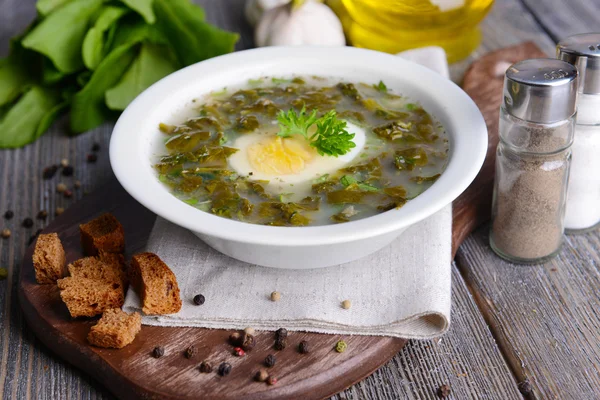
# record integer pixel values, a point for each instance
(533, 157)
(583, 196)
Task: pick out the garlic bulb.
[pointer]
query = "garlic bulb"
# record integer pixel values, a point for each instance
(255, 9)
(311, 23)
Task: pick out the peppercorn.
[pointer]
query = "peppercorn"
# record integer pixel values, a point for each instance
(270, 360)
(158, 352)
(67, 171)
(190, 352)
(49, 172)
(59, 210)
(68, 194)
(238, 351)
(199, 299)
(525, 387)
(3, 273)
(281, 333)
(346, 304)
(341, 346)
(271, 380)
(27, 222)
(92, 158)
(443, 391)
(224, 369)
(250, 331)
(61, 187)
(280, 344)
(77, 184)
(43, 214)
(96, 147)
(64, 163)
(205, 367)
(235, 339)
(275, 296)
(248, 342)
(5, 233)
(303, 347)
(9, 214)
(261, 375)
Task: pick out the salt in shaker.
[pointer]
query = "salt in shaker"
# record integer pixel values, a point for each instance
(583, 197)
(533, 157)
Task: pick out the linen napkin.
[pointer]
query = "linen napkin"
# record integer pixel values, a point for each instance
(402, 290)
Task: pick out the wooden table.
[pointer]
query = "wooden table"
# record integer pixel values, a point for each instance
(510, 323)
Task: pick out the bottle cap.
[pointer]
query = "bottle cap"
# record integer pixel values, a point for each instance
(583, 51)
(541, 90)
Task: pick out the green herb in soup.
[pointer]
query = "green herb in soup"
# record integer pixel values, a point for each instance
(302, 151)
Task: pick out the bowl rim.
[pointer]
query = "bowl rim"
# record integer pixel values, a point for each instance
(467, 151)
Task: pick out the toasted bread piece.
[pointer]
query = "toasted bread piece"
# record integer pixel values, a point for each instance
(104, 233)
(155, 283)
(116, 329)
(109, 268)
(87, 297)
(49, 259)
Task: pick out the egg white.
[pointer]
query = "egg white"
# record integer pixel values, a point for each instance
(315, 168)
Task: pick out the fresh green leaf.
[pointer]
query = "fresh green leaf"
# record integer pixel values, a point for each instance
(331, 137)
(88, 109)
(132, 29)
(50, 75)
(381, 87)
(60, 35)
(142, 7)
(321, 179)
(292, 123)
(153, 63)
(29, 117)
(45, 7)
(192, 39)
(94, 45)
(347, 180)
(365, 187)
(84, 77)
(191, 201)
(12, 79)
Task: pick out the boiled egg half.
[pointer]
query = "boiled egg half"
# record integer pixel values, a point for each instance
(265, 156)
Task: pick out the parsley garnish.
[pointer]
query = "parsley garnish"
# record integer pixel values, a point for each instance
(381, 87)
(330, 138)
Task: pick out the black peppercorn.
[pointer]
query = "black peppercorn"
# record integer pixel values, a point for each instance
(224, 369)
(92, 158)
(9, 214)
(248, 342)
(443, 391)
(199, 299)
(190, 352)
(96, 147)
(27, 222)
(270, 360)
(158, 352)
(43, 214)
(205, 367)
(525, 387)
(67, 171)
(281, 333)
(303, 347)
(280, 344)
(49, 172)
(235, 339)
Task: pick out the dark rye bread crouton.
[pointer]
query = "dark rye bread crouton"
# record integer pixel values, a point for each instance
(87, 297)
(115, 329)
(49, 259)
(107, 266)
(155, 283)
(104, 233)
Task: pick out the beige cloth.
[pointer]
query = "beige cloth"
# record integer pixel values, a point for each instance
(402, 290)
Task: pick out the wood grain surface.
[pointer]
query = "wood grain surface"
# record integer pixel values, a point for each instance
(471, 357)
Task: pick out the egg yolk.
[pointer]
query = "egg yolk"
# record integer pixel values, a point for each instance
(280, 156)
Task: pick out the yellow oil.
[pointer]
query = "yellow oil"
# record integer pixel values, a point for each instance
(397, 25)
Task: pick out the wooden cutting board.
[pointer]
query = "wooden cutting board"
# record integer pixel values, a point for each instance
(133, 373)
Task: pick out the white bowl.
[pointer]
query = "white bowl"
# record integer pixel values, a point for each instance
(135, 137)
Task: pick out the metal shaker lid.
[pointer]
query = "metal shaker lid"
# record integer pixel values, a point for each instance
(541, 90)
(583, 51)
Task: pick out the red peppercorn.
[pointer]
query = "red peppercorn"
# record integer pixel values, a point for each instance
(238, 351)
(271, 380)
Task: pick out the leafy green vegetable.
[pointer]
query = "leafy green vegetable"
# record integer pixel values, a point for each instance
(40, 105)
(381, 87)
(94, 47)
(142, 7)
(330, 137)
(12, 80)
(88, 109)
(191, 38)
(153, 63)
(45, 7)
(60, 35)
(347, 180)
